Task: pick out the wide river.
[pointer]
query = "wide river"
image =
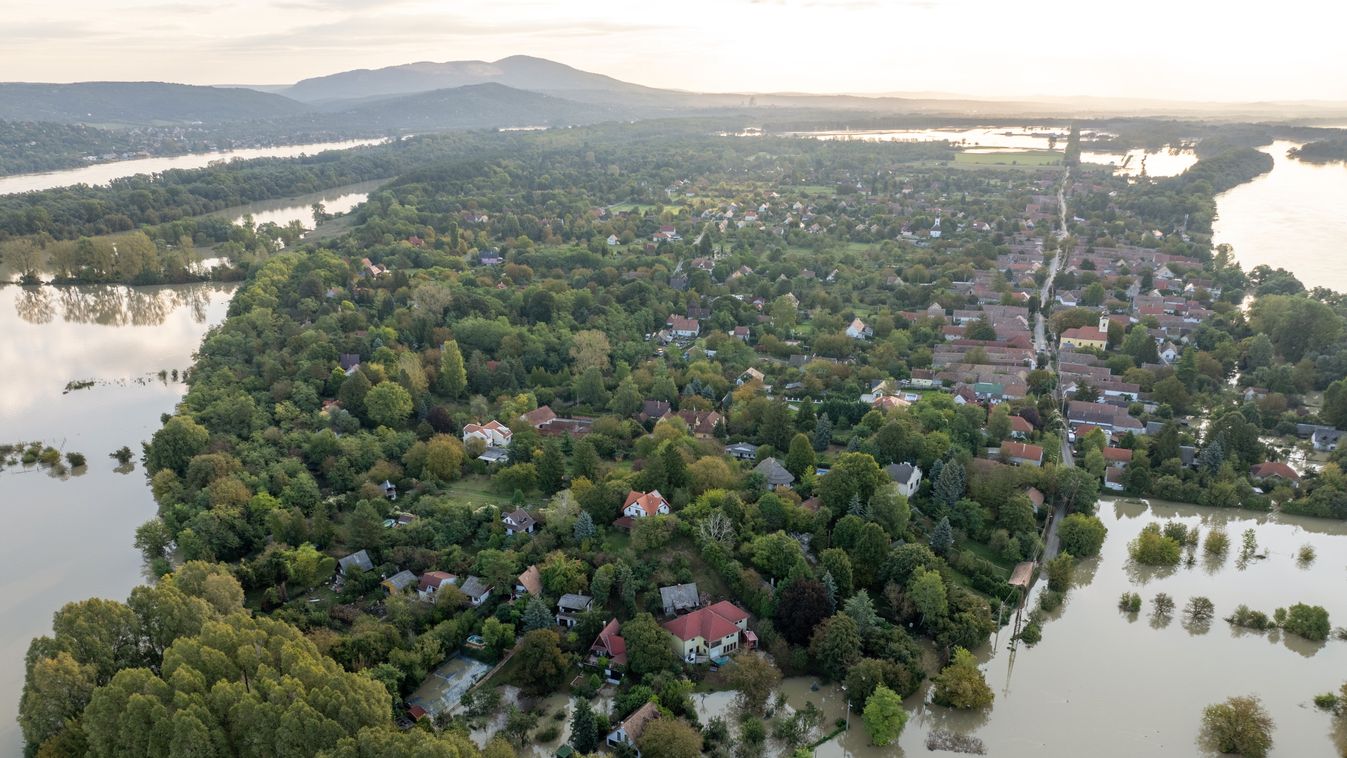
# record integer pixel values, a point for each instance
(1293, 217)
(70, 538)
(103, 173)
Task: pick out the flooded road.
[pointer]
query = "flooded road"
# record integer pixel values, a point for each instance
(71, 538)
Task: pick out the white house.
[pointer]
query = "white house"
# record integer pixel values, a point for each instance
(711, 632)
(612, 240)
(907, 476)
(858, 330)
(476, 589)
(493, 433)
(642, 504)
(518, 521)
(432, 582)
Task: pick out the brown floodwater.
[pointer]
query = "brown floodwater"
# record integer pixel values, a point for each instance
(1104, 683)
(70, 538)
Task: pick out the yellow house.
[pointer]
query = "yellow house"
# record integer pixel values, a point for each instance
(1085, 336)
(711, 632)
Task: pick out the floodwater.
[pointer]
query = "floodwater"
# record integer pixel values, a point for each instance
(1291, 217)
(300, 208)
(1103, 683)
(1167, 161)
(70, 538)
(103, 173)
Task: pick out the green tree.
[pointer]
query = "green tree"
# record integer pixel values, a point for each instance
(590, 389)
(175, 444)
(884, 716)
(776, 554)
(1239, 725)
(551, 468)
(942, 537)
(754, 678)
(585, 460)
(55, 692)
(823, 433)
(800, 458)
(1082, 534)
(1308, 621)
(542, 664)
(453, 373)
(835, 646)
(669, 738)
(1059, 572)
(961, 684)
(584, 528)
(926, 590)
(584, 727)
(648, 647)
(537, 615)
(388, 404)
(950, 484)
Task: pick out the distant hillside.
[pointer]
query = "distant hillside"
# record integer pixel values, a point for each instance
(139, 103)
(519, 71)
(473, 106)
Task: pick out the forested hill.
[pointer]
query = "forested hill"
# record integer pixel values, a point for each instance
(139, 103)
(475, 106)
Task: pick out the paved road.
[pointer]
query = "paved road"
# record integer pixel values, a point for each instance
(1051, 543)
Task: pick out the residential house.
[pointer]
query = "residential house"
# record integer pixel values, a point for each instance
(751, 375)
(528, 583)
(711, 632)
(702, 424)
(774, 473)
(569, 608)
(609, 645)
(906, 475)
(493, 455)
(741, 333)
(493, 433)
(1020, 428)
(1035, 497)
(1022, 454)
(632, 727)
(857, 330)
(643, 504)
(743, 451)
(1273, 470)
(432, 582)
(680, 598)
(399, 582)
(1325, 438)
(349, 363)
(655, 409)
(1085, 336)
(686, 328)
(357, 561)
(613, 240)
(1117, 457)
(476, 589)
(518, 522)
(390, 490)
(538, 416)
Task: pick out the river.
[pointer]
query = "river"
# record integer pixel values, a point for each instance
(103, 173)
(1291, 217)
(70, 538)
(300, 208)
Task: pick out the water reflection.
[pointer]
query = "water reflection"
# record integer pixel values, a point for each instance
(115, 305)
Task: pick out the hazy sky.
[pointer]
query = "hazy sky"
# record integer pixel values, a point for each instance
(1182, 49)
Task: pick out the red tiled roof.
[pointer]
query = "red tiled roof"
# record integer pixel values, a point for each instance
(713, 622)
(1277, 469)
(1020, 450)
(611, 643)
(649, 501)
(1117, 454)
(539, 416)
(1019, 424)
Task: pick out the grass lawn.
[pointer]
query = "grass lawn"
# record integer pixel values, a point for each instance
(476, 491)
(1032, 158)
(982, 551)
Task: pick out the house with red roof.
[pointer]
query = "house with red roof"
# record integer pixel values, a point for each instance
(1117, 457)
(711, 632)
(643, 504)
(1021, 454)
(538, 416)
(493, 433)
(609, 645)
(1275, 470)
(1020, 429)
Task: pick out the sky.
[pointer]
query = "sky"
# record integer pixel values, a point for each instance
(1197, 50)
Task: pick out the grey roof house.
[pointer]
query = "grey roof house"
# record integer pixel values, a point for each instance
(679, 597)
(775, 474)
(358, 560)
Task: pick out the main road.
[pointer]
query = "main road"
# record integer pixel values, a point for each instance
(1051, 543)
